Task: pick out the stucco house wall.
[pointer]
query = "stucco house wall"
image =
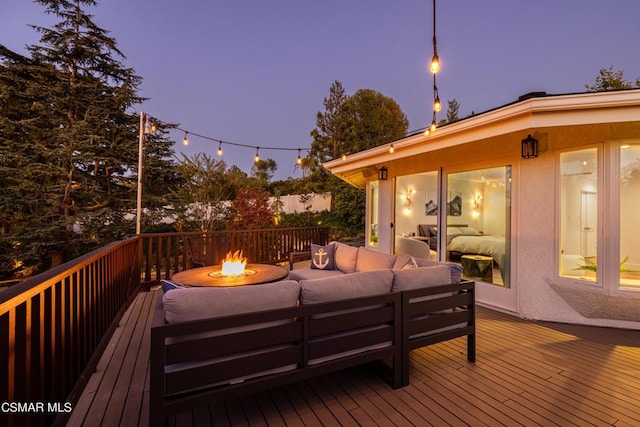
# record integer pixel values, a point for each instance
(492, 139)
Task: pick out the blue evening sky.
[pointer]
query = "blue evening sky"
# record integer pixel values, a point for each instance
(255, 72)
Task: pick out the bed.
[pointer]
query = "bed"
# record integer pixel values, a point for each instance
(465, 240)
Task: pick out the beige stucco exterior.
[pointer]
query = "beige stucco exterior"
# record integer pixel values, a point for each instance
(559, 122)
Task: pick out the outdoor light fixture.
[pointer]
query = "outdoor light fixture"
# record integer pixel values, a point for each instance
(299, 160)
(383, 173)
(220, 149)
(391, 149)
(185, 140)
(256, 159)
(529, 147)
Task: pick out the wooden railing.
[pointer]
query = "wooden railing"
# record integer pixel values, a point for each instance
(164, 254)
(54, 326)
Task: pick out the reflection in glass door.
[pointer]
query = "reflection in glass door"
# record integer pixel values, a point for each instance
(478, 212)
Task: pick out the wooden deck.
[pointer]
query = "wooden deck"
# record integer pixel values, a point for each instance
(527, 373)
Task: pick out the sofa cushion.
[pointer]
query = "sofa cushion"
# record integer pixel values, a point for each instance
(455, 268)
(346, 286)
(369, 260)
(323, 257)
(309, 273)
(422, 277)
(195, 303)
(346, 257)
(402, 261)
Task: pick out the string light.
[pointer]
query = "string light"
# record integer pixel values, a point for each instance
(435, 67)
(435, 63)
(185, 140)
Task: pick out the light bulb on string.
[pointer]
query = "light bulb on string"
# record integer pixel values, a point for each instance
(391, 148)
(256, 159)
(185, 140)
(426, 132)
(437, 106)
(220, 149)
(344, 156)
(435, 64)
(299, 160)
(433, 125)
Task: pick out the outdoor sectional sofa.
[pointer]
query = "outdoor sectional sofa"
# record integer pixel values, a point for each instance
(213, 344)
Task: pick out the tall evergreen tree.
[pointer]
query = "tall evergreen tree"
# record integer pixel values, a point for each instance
(69, 141)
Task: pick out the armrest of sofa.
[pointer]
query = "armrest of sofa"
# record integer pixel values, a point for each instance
(435, 314)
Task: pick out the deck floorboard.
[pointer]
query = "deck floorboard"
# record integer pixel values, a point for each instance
(527, 373)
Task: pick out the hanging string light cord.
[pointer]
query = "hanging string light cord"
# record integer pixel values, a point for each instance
(236, 144)
(435, 67)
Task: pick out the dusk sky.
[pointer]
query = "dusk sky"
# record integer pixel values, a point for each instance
(255, 72)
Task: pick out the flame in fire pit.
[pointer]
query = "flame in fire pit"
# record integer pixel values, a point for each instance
(233, 264)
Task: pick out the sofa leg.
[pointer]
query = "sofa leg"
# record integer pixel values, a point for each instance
(471, 347)
(404, 368)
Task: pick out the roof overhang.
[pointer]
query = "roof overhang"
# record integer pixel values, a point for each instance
(524, 117)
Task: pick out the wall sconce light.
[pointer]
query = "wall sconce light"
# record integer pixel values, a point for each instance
(383, 173)
(529, 147)
(476, 206)
(407, 196)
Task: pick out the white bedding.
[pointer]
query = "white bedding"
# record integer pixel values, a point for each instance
(489, 245)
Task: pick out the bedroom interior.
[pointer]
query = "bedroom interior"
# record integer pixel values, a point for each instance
(476, 212)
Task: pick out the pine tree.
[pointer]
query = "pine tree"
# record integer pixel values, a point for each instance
(69, 141)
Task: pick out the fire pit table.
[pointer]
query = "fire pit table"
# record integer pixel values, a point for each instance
(254, 274)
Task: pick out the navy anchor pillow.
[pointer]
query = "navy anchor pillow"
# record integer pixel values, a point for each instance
(323, 257)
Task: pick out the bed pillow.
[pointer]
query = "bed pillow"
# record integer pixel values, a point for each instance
(323, 257)
(469, 231)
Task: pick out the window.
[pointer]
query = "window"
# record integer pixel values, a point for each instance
(478, 207)
(373, 214)
(629, 208)
(578, 215)
(416, 214)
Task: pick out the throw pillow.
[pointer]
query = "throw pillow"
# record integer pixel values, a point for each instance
(411, 264)
(323, 257)
(168, 285)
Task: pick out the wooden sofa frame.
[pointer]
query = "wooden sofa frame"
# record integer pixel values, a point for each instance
(187, 361)
(177, 384)
(456, 304)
